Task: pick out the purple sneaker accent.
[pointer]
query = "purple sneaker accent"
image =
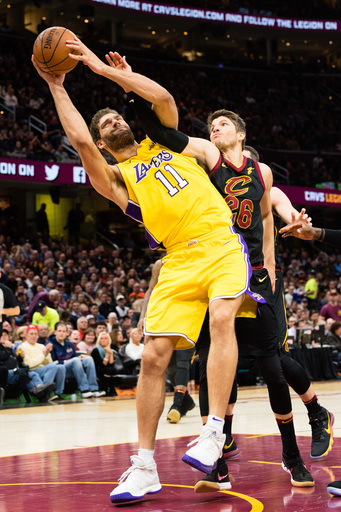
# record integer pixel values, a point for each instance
(126, 497)
(198, 465)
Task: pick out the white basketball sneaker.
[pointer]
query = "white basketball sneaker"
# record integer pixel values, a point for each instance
(207, 449)
(138, 480)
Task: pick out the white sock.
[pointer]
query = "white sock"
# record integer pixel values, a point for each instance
(216, 422)
(146, 455)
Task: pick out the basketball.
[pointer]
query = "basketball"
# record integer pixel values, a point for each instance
(51, 53)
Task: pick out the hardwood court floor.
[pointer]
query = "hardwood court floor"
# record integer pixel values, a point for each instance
(68, 457)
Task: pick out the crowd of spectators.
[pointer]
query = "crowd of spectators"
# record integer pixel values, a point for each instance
(83, 306)
(313, 300)
(284, 110)
(75, 302)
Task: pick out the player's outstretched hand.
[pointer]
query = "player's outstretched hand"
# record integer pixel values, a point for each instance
(299, 229)
(85, 55)
(50, 78)
(301, 216)
(116, 61)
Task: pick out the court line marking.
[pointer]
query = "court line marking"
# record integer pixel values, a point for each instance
(265, 462)
(257, 506)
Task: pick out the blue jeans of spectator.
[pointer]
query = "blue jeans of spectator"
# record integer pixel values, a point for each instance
(83, 371)
(53, 373)
(13, 379)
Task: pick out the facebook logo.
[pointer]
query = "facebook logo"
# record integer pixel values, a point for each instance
(79, 175)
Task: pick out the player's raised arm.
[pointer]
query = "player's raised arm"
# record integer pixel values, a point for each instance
(282, 206)
(163, 101)
(101, 174)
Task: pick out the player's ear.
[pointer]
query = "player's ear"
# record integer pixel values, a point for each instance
(100, 144)
(241, 135)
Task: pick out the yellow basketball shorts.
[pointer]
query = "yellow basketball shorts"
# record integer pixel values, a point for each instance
(193, 274)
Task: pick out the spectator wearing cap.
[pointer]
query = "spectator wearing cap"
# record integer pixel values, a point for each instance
(333, 308)
(45, 315)
(91, 321)
(311, 288)
(121, 310)
(82, 367)
(50, 298)
(38, 358)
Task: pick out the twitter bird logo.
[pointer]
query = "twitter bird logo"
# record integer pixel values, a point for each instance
(51, 172)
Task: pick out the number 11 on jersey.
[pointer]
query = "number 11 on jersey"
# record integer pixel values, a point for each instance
(159, 175)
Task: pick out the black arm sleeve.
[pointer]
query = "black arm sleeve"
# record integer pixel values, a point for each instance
(332, 236)
(172, 139)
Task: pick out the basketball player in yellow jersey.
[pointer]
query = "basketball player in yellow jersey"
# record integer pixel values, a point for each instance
(206, 262)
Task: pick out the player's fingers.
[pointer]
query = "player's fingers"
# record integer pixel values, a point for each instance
(110, 61)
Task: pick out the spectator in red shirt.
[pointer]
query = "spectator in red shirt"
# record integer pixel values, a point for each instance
(333, 308)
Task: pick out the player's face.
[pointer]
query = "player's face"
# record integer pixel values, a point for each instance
(223, 133)
(115, 132)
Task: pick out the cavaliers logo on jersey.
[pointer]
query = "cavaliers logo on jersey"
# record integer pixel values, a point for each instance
(250, 169)
(236, 186)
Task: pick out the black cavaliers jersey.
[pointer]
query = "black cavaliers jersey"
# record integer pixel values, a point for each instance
(243, 188)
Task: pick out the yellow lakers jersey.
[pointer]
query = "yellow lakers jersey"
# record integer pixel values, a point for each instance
(172, 195)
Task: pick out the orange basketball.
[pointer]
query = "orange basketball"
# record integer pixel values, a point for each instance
(51, 53)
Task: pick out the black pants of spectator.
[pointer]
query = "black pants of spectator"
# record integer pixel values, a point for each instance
(3, 376)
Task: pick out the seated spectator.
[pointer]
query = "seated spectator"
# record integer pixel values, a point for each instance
(126, 327)
(18, 336)
(100, 326)
(75, 313)
(106, 306)
(82, 325)
(334, 338)
(121, 309)
(38, 358)
(19, 375)
(104, 357)
(91, 321)
(329, 323)
(43, 332)
(45, 315)
(75, 338)
(333, 308)
(88, 342)
(69, 328)
(94, 310)
(112, 321)
(117, 339)
(137, 293)
(82, 367)
(134, 348)
(292, 328)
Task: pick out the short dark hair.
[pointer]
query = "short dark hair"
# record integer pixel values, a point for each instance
(335, 327)
(94, 130)
(238, 122)
(253, 152)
